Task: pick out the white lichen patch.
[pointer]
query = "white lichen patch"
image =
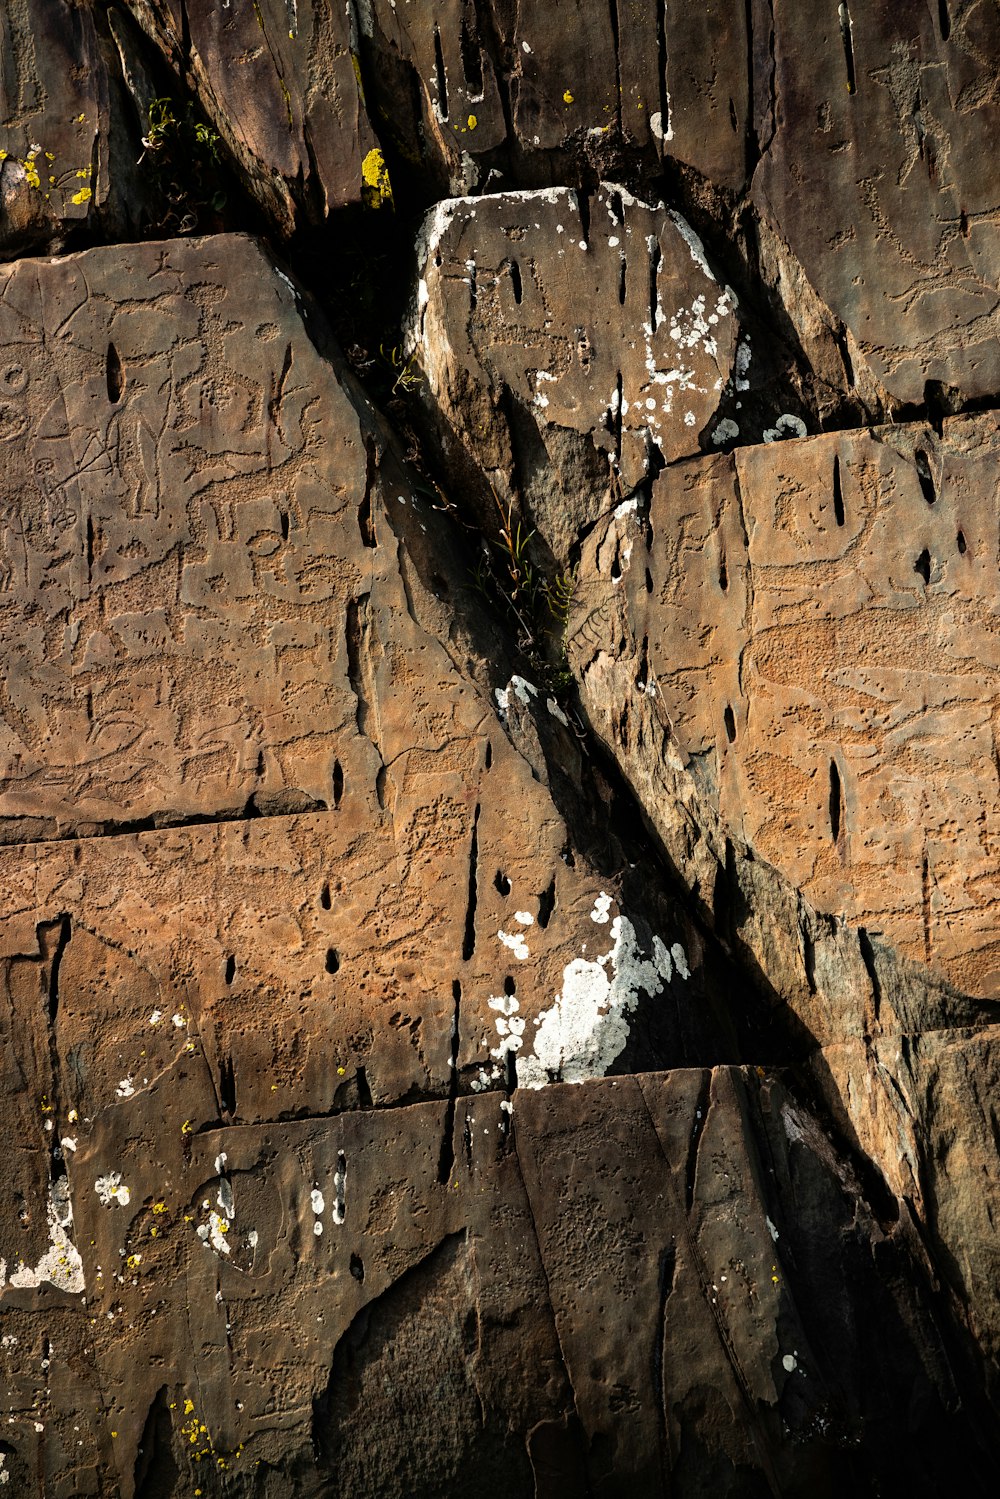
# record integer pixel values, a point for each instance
(61, 1264)
(524, 917)
(515, 941)
(125, 1089)
(522, 689)
(339, 1211)
(213, 1233)
(602, 906)
(787, 425)
(111, 1189)
(676, 951)
(509, 1025)
(725, 431)
(586, 1028)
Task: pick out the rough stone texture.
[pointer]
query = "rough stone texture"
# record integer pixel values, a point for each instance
(53, 122)
(818, 619)
(496, 837)
(874, 174)
(280, 84)
(551, 316)
(506, 92)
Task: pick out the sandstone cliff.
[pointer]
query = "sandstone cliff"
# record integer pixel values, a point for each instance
(499, 748)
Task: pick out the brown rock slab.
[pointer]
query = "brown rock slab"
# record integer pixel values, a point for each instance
(281, 87)
(567, 87)
(817, 618)
(601, 1285)
(54, 122)
(542, 319)
(879, 176)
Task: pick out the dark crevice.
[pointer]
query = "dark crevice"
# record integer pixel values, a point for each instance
(697, 1126)
(446, 1160)
(338, 783)
(616, 45)
(838, 493)
(115, 375)
(944, 20)
(836, 802)
(469, 940)
(925, 476)
(332, 960)
(809, 956)
(227, 1086)
(357, 1267)
(845, 355)
(752, 136)
(229, 973)
(325, 898)
(547, 903)
(730, 722)
(365, 1100)
(366, 522)
(472, 57)
(661, 66)
(868, 958)
(961, 543)
(501, 882)
(583, 202)
(61, 930)
(515, 281)
(156, 1474)
(848, 40)
(923, 565)
(441, 76)
(510, 1072)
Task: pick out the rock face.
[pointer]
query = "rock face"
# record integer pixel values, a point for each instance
(498, 760)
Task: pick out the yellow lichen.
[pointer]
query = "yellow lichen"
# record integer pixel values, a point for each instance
(567, 97)
(376, 190)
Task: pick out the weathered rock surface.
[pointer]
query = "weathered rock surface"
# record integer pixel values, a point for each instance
(549, 318)
(499, 968)
(280, 85)
(874, 174)
(485, 92)
(818, 620)
(54, 122)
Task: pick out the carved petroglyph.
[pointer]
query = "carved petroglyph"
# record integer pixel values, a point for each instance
(821, 628)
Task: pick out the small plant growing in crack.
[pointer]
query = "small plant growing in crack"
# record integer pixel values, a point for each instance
(539, 606)
(185, 163)
(403, 372)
